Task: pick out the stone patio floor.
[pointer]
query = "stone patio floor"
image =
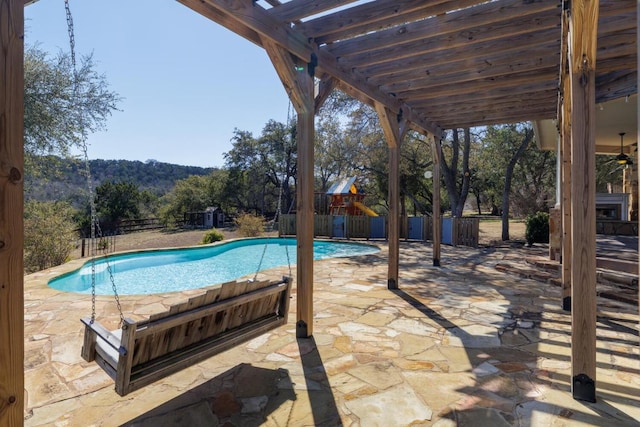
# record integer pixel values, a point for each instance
(458, 345)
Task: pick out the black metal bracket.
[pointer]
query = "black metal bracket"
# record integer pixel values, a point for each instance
(584, 388)
(391, 284)
(313, 63)
(436, 262)
(301, 329)
(566, 304)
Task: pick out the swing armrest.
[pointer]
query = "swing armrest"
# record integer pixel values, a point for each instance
(107, 343)
(110, 338)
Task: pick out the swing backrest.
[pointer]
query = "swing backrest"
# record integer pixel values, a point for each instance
(223, 317)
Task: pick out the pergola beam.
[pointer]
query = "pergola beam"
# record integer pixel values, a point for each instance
(245, 17)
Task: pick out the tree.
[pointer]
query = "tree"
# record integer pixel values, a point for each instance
(193, 194)
(350, 141)
(61, 106)
(509, 143)
(188, 195)
(116, 201)
(533, 187)
(259, 168)
(456, 182)
(49, 234)
(331, 150)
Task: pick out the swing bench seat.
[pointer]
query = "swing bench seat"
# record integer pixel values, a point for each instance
(227, 315)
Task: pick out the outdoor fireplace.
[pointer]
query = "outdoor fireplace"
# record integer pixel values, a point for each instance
(612, 206)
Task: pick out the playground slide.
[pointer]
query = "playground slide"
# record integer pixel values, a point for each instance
(364, 209)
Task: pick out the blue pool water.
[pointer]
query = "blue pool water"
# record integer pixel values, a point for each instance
(173, 270)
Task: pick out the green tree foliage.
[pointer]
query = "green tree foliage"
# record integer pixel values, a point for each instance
(66, 179)
(61, 107)
(194, 194)
(49, 234)
(258, 168)
(212, 236)
(507, 145)
(534, 180)
(116, 201)
(334, 145)
(537, 228)
(354, 145)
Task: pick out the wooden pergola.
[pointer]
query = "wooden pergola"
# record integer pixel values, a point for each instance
(426, 65)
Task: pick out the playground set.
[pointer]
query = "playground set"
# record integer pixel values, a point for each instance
(347, 200)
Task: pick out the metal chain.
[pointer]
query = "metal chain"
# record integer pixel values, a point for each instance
(72, 38)
(284, 150)
(95, 231)
(279, 207)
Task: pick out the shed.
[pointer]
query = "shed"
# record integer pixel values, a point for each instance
(211, 217)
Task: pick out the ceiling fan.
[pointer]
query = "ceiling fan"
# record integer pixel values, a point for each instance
(623, 159)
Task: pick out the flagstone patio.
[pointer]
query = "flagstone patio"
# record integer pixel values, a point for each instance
(459, 345)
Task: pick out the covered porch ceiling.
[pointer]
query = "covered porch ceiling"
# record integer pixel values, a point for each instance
(442, 63)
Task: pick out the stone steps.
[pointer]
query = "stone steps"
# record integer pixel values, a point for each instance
(613, 285)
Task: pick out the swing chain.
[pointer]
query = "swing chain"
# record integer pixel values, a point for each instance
(72, 38)
(279, 206)
(95, 231)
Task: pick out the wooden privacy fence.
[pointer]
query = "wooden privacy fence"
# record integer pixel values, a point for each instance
(457, 231)
(465, 231)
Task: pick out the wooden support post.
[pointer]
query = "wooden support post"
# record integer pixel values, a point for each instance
(297, 78)
(394, 217)
(304, 219)
(12, 394)
(638, 132)
(437, 219)
(394, 127)
(566, 258)
(583, 29)
(565, 169)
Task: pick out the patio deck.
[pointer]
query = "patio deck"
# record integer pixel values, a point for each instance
(463, 344)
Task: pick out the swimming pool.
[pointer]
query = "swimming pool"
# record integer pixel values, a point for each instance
(171, 270)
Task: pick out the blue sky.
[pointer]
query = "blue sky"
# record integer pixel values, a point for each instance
(186, 82)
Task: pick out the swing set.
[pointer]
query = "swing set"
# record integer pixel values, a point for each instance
(142, 352)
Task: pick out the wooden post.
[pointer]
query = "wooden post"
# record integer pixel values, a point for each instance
(583, 29)
(565, 168)
(566, 258)
(297, 78)
(437, 220)
(394, 130)
(12, 394)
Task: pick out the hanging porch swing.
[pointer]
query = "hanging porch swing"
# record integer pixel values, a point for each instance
(142, 352)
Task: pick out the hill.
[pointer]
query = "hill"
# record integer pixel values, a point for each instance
(65, 179)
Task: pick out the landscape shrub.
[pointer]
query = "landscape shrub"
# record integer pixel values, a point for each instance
(213, 235)
(250, 225)
(537, 228)
(49, 234)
